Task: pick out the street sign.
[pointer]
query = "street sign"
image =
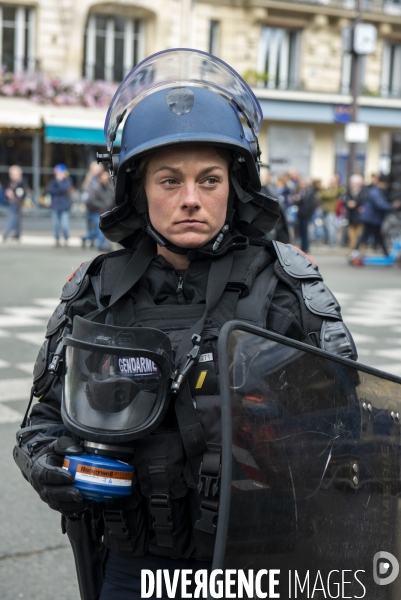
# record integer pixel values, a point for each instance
(356, 133)
(342, 113)
(365, 36)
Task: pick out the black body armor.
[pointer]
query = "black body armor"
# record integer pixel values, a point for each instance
(174, 506)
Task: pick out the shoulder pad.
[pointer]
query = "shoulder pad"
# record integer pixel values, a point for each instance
(77, 282)
(320, 300)
(295, 263)
(41, 362)
(335, 337)
(57, 318)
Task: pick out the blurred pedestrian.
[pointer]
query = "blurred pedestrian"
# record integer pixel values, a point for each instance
(280, 232)
(307, 200)
(373, 212)
(94, 170)
(2, 196)
(59, 189)
(284, 191)
(328, 200)
(92, 219)
(354, 200)
(100, 200)
(14, 193)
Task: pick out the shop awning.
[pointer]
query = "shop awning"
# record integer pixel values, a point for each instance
(74, 135)
(19, 113)
(79, 126)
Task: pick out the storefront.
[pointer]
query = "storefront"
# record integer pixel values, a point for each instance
(37, 137)
(300, 131)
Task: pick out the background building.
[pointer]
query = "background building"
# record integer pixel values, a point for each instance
(61, 58)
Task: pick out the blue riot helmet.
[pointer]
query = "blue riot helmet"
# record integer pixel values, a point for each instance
(184, 96)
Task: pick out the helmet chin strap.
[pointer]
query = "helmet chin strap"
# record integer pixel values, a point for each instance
(211, 246)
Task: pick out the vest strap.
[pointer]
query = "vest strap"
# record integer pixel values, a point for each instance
(117, 529)
(159, 502)
(191, 431)
(131, 274)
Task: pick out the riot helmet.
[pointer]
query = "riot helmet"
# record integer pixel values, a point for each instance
(184, 96)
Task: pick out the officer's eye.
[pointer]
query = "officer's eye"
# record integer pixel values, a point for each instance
(211, 180)
(169, 181)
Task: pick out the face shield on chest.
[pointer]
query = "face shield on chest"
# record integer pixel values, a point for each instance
(116, 383)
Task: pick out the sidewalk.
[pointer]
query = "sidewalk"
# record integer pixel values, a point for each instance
(45, 238)
(40, 239)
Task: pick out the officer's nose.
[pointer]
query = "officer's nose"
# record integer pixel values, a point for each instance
(190, 196)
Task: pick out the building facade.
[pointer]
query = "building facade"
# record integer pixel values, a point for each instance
(290, 52)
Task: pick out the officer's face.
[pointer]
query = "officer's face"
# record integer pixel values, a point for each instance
(187, 191)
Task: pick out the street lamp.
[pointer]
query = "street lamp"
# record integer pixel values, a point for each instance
(359, 39)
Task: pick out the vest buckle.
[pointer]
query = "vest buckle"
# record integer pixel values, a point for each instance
(160, 509)
(207, 522)
(209, 472)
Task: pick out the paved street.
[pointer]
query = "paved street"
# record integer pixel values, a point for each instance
(35, 560)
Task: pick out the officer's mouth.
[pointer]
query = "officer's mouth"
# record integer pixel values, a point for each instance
(190, 223)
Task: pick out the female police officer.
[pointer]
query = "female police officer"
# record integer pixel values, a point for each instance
(192, 222)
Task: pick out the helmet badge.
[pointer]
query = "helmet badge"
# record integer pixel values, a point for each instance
(180, 100)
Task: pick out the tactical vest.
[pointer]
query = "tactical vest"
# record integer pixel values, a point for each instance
(173, 509)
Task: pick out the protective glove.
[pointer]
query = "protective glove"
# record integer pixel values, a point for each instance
(55, 484)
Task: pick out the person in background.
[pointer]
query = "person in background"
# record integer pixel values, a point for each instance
(59, 189)
(373, 212)
(354, 200)
(328, 201)
(92, 219)
(2, 196)
(307, 200)
(14, 193)
(100, 200)
(283, 190)
(94, 170)
(280, 232)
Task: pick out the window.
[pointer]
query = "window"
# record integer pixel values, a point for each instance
(391, 70)
(392, 7)
(279, 58)
(214, 37)
(17, 30)
(113, 45)
(290, 147)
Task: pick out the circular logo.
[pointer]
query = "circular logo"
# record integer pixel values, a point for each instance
(180, 100)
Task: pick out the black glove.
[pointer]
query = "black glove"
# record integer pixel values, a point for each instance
(55, 484)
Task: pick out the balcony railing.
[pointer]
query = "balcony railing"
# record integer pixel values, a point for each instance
(390, 7)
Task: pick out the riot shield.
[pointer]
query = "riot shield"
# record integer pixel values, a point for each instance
(310, 481)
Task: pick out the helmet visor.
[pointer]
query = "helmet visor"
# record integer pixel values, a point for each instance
(181, 67)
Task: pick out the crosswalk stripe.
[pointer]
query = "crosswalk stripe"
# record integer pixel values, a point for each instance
(9, 415)
(15, 389)
(35, 338)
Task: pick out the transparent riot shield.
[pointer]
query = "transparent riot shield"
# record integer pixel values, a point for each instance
(310, 469)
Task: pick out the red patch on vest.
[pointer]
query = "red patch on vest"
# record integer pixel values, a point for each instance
(307, 255)
(74, 271)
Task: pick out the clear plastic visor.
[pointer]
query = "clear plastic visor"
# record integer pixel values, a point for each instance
(106, 392)
(181, 67)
